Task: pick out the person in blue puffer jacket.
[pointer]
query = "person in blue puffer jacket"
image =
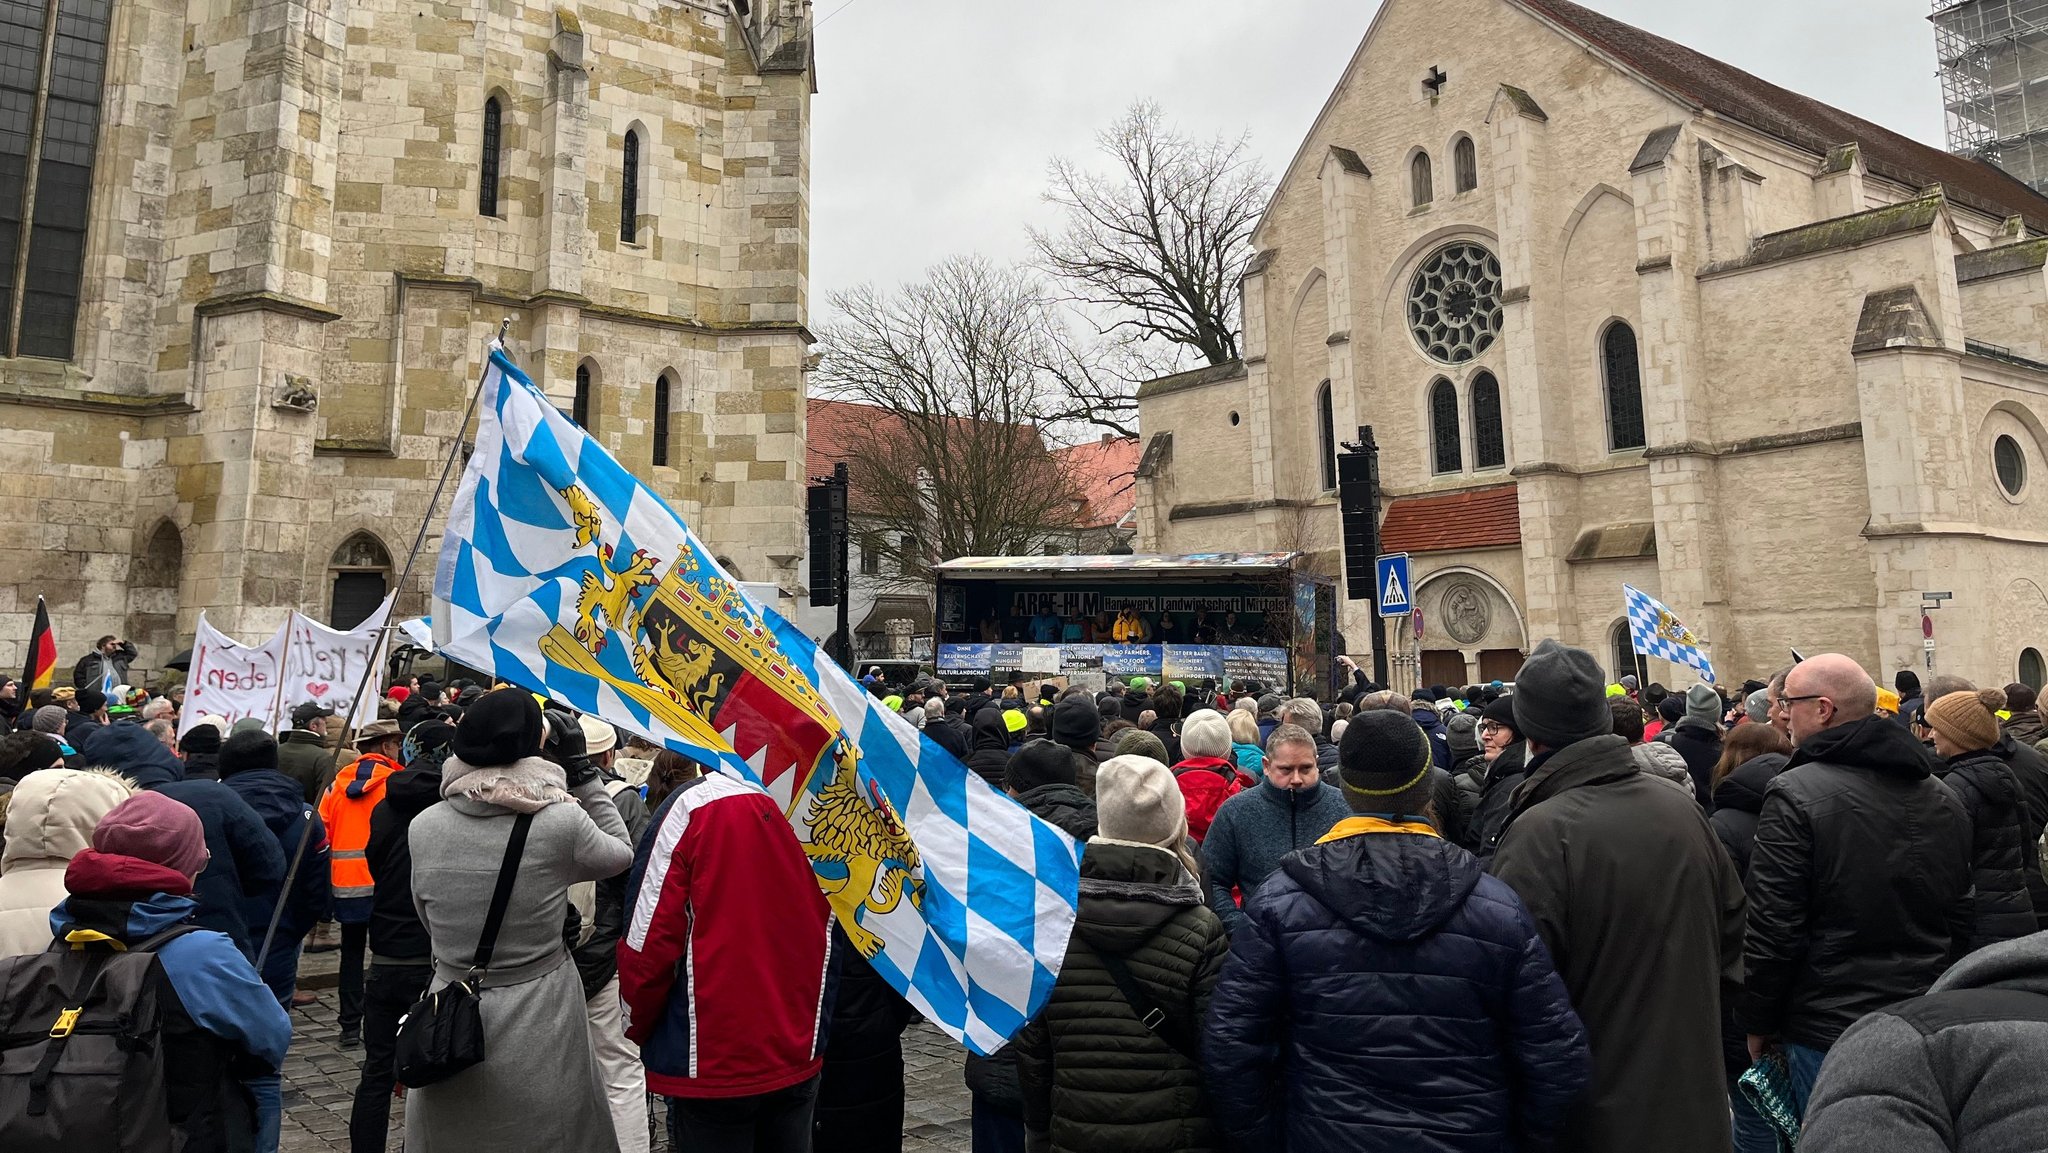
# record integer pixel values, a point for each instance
(1385, 992)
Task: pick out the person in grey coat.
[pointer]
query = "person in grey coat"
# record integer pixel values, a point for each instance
(1956, 1070)
(538, 1086)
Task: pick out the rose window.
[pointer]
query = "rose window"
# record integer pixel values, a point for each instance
(1454, 302)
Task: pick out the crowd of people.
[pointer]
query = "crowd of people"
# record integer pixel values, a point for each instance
(1570, 912)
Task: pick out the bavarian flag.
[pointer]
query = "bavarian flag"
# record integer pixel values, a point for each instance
(562, 573)
(42, 654)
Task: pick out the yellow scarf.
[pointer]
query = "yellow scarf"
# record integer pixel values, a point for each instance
(1357, 826)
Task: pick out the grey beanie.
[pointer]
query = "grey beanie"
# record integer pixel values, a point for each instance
(1703, 705)
(1758, 706)
(1464, 729)
(1561, 696)
(50, 720)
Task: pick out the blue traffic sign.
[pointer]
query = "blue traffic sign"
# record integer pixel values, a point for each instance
(1390, 578)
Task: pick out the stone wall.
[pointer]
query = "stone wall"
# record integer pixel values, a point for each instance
(286, 199)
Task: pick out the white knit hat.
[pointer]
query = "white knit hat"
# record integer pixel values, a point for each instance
(1138, 802)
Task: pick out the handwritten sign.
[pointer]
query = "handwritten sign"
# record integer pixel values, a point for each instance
(327, 667)
(232, 680)
(305, 661)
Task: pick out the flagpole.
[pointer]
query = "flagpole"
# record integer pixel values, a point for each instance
(419, 541)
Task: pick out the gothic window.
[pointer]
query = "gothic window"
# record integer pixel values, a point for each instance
(629, 188)
(1418, 179)
(2033, 671)
(1623, 382)
(487, 182)
(1449, 455)
(359, 575)
(1624, 651)
(1454, 302)
(1326, 437)
(1465, 163)
(1489, 449)
(661, 403)
(579, 405)
(46, 175)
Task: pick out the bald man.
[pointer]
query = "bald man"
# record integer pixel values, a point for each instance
(1859, 882)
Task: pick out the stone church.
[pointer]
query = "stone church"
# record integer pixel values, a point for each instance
(1620, 313)
(253, 253)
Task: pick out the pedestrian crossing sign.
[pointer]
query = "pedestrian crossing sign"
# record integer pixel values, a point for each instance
(1391, 579)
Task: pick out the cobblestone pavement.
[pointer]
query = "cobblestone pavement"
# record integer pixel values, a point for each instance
(320, 1083)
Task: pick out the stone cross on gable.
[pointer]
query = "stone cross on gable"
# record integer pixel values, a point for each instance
(1436, 80)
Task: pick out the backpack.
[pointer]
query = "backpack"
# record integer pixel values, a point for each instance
(82, 1065)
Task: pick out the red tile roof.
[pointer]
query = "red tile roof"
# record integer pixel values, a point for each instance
(1474, 518)
(1103, 472)
(1801, 120)
(836, 430)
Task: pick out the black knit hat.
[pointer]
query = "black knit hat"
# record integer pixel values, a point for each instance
(500, 727)
(91, 700)
(1501, 711)
(201, 739)
(1076, 720)
(246, 752)
(1383, 763)
(1039, 762)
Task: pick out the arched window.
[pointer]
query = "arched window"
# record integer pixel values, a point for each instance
(54, 72)
(361, 572)
(1326, 438)
(2033, 670)
(579, 405)
(629, 187)
(487, 169)
(1418, 179)
(1624, 649)
(1489, 448)
(661, 403)
(1623, 382)
(1465, 164)
(1443, 427)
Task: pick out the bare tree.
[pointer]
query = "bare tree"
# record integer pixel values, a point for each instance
(1159, 243)
(956, 460)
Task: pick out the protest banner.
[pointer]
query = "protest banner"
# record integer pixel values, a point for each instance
(232, 680)
(305, 661)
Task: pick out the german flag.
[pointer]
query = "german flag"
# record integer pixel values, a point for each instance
(42, 652)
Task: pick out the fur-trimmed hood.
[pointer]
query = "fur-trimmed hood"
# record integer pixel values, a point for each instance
(527, 785)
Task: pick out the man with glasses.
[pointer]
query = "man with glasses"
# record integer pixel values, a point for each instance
(1859, 882)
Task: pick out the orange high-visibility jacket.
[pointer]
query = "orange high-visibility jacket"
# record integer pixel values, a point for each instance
(345, 809)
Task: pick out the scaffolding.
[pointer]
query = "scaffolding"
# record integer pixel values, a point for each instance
(1994, 82)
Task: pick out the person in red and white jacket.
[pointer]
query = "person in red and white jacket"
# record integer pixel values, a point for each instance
(726, 969)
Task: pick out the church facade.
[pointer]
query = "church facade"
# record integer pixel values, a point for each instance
(1618, 313)
(257, 251)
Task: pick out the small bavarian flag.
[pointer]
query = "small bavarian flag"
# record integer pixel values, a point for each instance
(1657, 633)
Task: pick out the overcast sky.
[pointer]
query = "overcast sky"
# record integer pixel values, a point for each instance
(934, 119)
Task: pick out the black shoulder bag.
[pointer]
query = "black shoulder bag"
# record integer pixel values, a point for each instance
(1149, 1013)
(443, 1033)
